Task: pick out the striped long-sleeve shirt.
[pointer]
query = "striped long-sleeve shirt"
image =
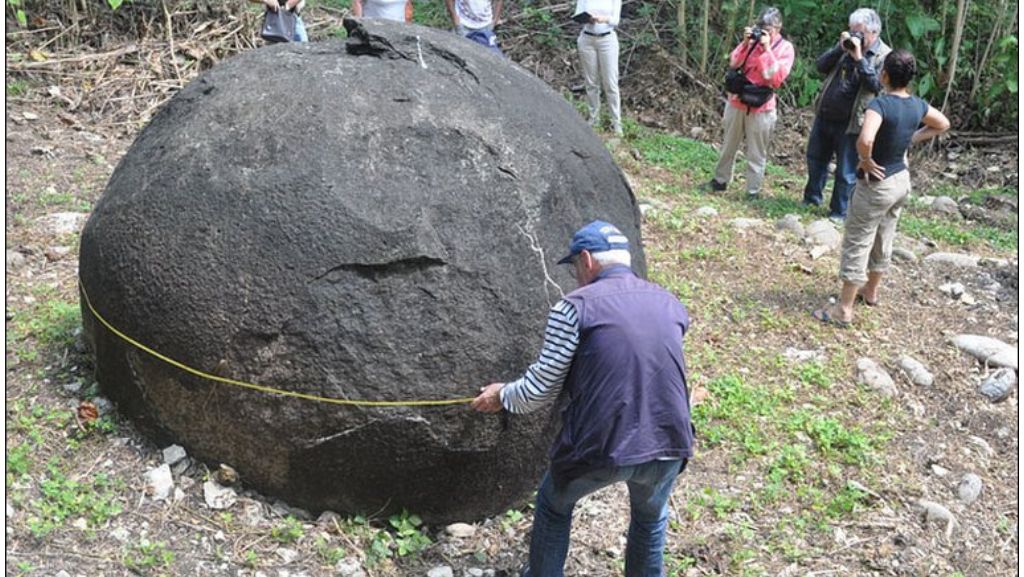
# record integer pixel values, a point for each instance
(543, 380)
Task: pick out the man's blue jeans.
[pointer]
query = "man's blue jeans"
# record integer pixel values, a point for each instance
(650, 485)
(828, 138)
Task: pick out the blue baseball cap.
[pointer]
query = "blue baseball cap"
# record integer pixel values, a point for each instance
(598, 236)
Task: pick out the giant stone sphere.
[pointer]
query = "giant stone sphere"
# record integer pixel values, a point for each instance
(370, 219)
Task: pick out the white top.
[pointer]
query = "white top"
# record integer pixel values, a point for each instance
(384, 9)
(474, 14)
(609, 8)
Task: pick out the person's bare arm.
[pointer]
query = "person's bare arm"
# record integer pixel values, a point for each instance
(935, 123)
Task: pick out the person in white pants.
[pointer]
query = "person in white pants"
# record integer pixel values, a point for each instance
(599, 56)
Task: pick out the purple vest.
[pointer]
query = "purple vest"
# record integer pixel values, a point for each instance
(627, 397)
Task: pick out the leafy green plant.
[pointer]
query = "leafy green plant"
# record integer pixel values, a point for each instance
(62, 498)
(288, 531)
(146, 556)
(409, 536)
(330, 555)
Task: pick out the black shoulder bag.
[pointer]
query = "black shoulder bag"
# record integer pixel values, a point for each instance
(278, 25)
(750, 94)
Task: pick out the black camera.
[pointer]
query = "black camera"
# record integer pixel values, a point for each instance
(756, 33)
(848, 42)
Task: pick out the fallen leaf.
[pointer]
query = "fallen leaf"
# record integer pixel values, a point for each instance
(38, 55)
(87, 412)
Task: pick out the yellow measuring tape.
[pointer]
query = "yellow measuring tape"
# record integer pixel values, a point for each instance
(262, 388)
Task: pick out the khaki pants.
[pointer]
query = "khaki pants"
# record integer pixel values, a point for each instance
(599, 57)
(757, 128)
(871, 225)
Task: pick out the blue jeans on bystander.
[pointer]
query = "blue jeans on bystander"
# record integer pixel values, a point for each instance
(828, 138)
(650, 485)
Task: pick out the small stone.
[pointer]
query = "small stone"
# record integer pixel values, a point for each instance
(55, 253)
(969, 488)
(823, 233)
(103, 405)
(80, 523)
(696, 132)
(159, 483)
(173, 454)
(939, 470)
(179, 495)
(181, 466)
(945, 205)
(475, 572)
(953, 289)
(916, 372)
(121, 534)
(706, 212)
(9, 510)
(62, 573)
(217, 496)
(61, 223)
(933, 511)
(328, 518)
(441, 571)
(802, 355)
(952, 259)
(991, 351)
(14, 259)
(998, 385)
(819, 251)
(287, 555)
(744, 224)
(460, 530)
(791, 223)
(73, 387)
(30, 115)
(225, 475)
(904, 254)
(871, 374)
(967, 299)
(349, 567)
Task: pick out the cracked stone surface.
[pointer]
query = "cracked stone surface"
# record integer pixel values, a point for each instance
(371, 219)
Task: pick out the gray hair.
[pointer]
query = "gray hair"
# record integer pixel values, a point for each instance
(612, 257)
(770, 16)
(869, 18)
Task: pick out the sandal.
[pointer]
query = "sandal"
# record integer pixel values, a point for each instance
(824, 316)
(862, 299)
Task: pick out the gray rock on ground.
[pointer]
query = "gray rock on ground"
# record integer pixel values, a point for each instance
(998, 385)
(988, 350)
(218, 497)
(823, 233)
(61, 223)
(916, 371)
(706, 212)
(969, 488)
(745, 224)
(173, 454)
(14, 260)
(933, 511)
(952, 259)
(945, 205)
(441, 571)
(871, 374)
(349, 567)
(159, 483)
(791, 224)
(461, 530)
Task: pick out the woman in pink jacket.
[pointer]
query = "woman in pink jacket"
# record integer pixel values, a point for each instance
(766, 58)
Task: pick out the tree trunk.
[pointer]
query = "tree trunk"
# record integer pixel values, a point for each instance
(681, 30)
(704, 38)
(979, 67)
(958, 32)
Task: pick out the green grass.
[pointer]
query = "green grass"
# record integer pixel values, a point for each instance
(958, 234)
(288, 531)
(678, 154)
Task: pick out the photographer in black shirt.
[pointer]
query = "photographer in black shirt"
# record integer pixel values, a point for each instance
(851, 67)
